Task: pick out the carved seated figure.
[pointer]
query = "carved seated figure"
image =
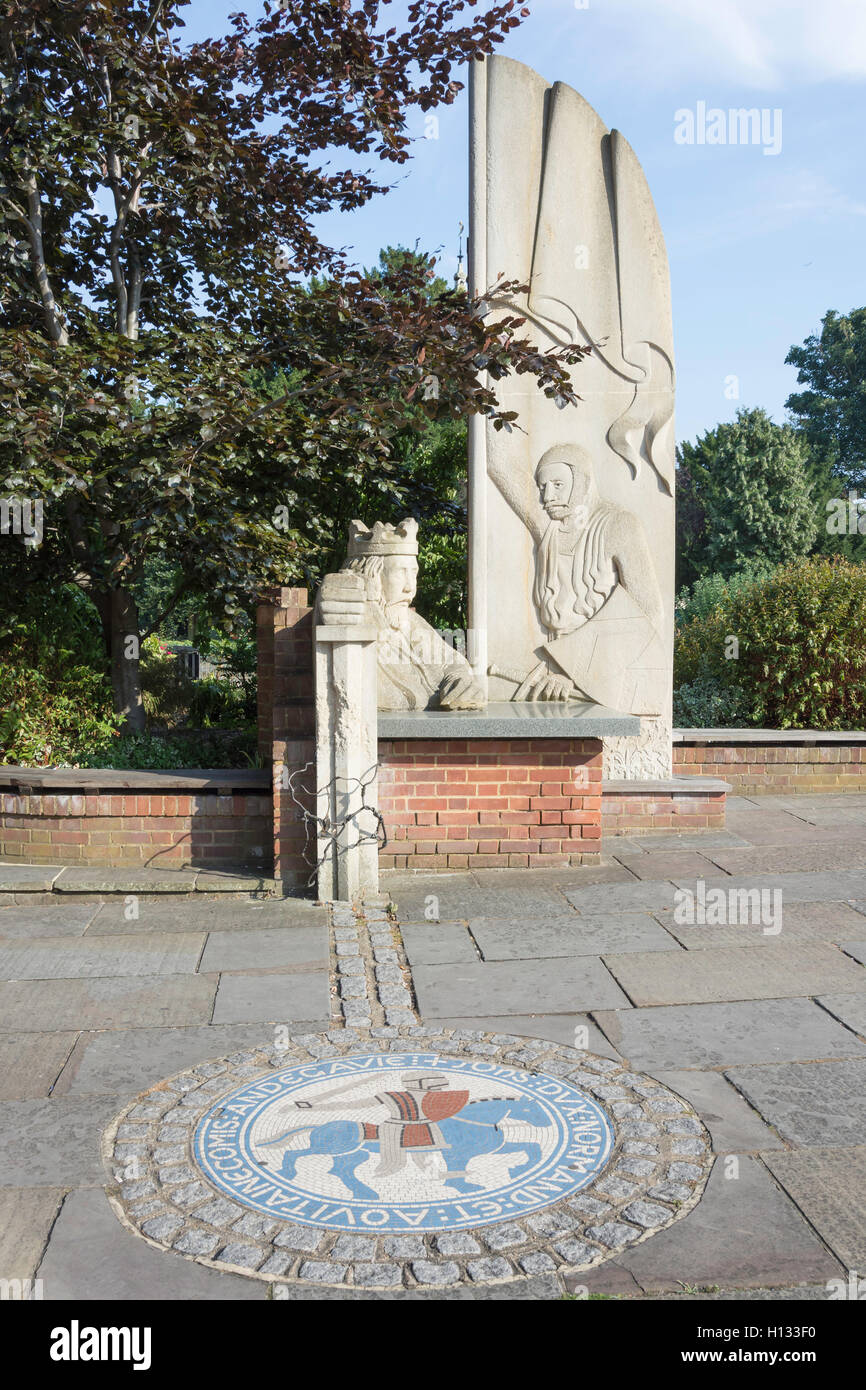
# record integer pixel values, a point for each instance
(417, 669)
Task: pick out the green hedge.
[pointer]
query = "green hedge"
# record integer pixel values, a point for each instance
(801, 663)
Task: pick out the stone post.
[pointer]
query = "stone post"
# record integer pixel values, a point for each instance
(346, 760)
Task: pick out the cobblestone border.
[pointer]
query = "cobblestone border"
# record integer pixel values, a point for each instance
(373, 979)
(656, 1174)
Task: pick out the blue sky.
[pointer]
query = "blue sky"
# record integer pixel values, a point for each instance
(760, 245)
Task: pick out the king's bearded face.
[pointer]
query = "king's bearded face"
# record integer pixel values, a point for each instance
(398, 584)
(562, 491)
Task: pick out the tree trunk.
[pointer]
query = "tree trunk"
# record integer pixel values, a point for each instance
(119, 615)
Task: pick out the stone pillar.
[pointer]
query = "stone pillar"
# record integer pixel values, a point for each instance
(286, 724)
(346, 760)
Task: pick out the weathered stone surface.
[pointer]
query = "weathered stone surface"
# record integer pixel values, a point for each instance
(438, 944)
(571, 1029)
(31, 1062)
(829, 1187)
(90, 1256)
(54, 1143)
(125, 881)
(97, 957)
(485, 990)
(266, 949)
(275, 998)
(810, 1103)
(733, 1125)
(603, 900)
(203, 914)
(44, 917)
(428, 1273)
(145, 1002)
(713, 1035)
(850, 1009)
(685, 977)
(503, 939)
(127, 1060)
(26, 1217)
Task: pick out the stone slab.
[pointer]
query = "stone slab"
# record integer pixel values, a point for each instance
(267, 949)
(200, 913)
(146, 1002)
(829, 1187)
(855, 949)
(744, 1232)
(733, 1125)
(91, 1256)
(575, 875)
(54, 1143)
(30, 1063)
(503, 719)
(714, 1035)
(810, 921)
(28, 878)
(129, 1061)
(39, 917)
(814, 1104)
(802, 858)
(26, 1217)
(666, 842)
(244, 881)
(564, 986)
(157, 953)
(274, 998)
(459, 897)
(509, 939)
(438, 944)
(735, 972)
(840, 886)
(603, 899)
(560, 1028)
(675, 864)
(850, 1009)
(119, 880)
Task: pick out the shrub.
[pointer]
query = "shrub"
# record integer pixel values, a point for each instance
(802, 646)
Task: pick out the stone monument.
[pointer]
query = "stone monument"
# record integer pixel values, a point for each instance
(571, 567)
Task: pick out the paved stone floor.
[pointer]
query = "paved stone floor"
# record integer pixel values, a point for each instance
(761, 1030)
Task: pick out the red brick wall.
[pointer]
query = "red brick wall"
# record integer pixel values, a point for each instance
(286, 716)
(772, 768)
(516, 803)
(146, 829)
(627, 813)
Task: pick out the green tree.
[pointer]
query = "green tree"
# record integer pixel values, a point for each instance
(831, 412)
(157, 203)
(745, 496)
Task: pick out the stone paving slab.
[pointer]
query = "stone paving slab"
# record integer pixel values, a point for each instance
(855, 949)
(125, 881)
(201, 913)
(841, 886)
(676, 864)
(829, 1187)
(438, 943)
(209, 881)
(812, 921)
(129, 1061)
(850, 1009)
(811, 1104)
(32, 1006)
(608, 871)
(47, 958)
(603, 899)
(55, 1142)
(26, 1217)
(559, 1028)
(267, 949)
(715, 1035)
(460, 900)
(274, 998)
(52, 917)
(90, 1256)
(731, 972)
(833, 854)
(734, 1127)
(509, 939)
(660, 843)
(30, 1063)
(764, 827)
(563, 986)
(28, 878)
(743, 1232)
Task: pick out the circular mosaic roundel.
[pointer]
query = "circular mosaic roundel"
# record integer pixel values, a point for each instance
(397, 1142)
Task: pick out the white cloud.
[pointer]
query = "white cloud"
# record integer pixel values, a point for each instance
(765, 44)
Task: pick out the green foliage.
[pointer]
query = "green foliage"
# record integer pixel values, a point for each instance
(745, 496)
(200, 748)
(708, 702)
(831, 412)
(802, 649)
(710, 591)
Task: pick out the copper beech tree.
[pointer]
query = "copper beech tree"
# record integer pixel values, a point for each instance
(159, 260)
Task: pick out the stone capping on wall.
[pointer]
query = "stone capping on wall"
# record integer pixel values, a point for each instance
(90, 781)
(794, 737)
